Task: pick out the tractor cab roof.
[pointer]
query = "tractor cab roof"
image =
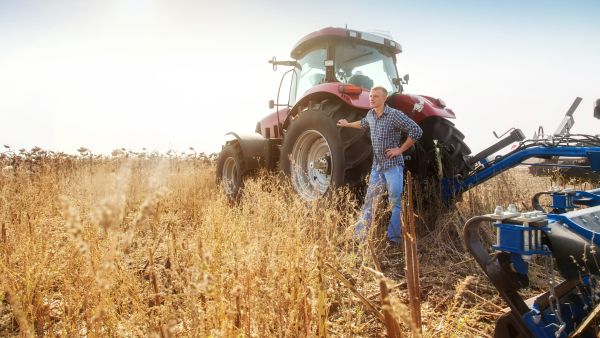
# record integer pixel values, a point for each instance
(333, 33)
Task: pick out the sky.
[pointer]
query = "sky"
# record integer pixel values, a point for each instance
(175, 74)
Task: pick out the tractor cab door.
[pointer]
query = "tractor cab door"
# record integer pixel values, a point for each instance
(312, 71)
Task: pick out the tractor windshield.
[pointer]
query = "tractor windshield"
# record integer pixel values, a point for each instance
(365, 66)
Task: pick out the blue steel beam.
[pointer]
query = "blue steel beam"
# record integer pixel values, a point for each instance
(454, 188)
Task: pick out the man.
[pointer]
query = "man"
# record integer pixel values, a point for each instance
(386, 125)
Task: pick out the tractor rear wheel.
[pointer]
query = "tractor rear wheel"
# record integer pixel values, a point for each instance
(441, 151)
(317, 155)
(229, 170)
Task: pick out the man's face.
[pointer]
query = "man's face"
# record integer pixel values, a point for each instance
(376, 98)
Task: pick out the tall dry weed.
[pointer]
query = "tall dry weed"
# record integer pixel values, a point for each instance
(147, 245)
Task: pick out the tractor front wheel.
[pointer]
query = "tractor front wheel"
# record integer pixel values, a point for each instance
(317, 155)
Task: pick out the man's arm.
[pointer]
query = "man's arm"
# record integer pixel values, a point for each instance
(403, 122)
(345, 123)
(393, 152)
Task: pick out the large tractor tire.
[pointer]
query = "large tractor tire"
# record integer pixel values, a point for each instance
(318, 156)
(229, 170)
(441, 151)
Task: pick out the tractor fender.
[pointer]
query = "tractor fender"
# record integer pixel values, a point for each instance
(253, 147)
(328, 91)
(420, 107)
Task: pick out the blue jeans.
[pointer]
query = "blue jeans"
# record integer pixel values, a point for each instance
(392, 180)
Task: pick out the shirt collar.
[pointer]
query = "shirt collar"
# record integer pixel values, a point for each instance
(386, 109)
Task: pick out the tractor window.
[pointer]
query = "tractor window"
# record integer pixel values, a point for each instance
(364, 66)
(312, 72)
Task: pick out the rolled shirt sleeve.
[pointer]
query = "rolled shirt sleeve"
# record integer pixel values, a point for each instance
(408, 125)
(364, 124)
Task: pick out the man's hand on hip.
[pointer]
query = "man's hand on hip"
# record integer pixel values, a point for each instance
(393, 152)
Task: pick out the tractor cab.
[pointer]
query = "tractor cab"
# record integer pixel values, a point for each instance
(338, 55)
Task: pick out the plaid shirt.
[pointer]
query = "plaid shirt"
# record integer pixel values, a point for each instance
(386, 132)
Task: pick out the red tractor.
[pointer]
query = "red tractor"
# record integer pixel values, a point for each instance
(330, 76)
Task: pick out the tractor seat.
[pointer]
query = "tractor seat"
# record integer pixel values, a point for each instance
(361, 80)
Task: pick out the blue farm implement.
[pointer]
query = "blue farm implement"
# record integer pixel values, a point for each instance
(563, 237)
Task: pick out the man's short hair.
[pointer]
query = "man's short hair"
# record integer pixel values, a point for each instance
(381, 89)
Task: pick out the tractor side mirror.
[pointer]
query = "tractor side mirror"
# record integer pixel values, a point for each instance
(404, 80)
(271, 104)
(597, 109)
(273, 62)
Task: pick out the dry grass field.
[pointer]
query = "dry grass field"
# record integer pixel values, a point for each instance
(147, 245)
